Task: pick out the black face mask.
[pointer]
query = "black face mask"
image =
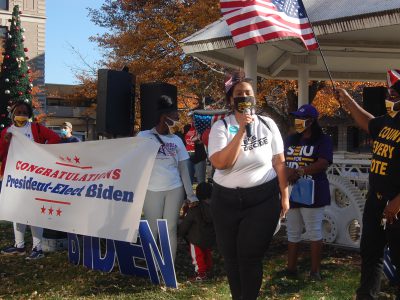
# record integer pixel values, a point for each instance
(241, 103)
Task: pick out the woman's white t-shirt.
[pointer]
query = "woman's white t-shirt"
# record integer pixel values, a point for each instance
(254, 163)
(165, 174)
(26, 130)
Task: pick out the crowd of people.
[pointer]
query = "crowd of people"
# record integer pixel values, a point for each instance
(249, 194)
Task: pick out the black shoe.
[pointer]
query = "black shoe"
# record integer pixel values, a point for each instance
(290, 273)
(315, 276)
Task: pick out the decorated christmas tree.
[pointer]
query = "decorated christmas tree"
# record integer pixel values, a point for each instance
(15, 82)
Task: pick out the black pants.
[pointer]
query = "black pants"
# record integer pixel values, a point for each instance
(245, 221)
(373, 241)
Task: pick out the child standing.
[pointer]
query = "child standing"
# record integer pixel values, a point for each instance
(198, 230)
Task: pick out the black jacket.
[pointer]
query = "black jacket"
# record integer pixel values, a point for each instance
(197, 226)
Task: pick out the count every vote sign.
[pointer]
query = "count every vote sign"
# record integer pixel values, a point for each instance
(94, 188)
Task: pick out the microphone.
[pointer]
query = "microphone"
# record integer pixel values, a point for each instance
(249, 126)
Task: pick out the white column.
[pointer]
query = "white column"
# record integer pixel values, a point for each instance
(303, 84)
(250, 64)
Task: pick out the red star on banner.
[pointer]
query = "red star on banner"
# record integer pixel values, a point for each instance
(62, 158)
(69, 158)
(77, 159)
(43, 209)
(51, 211)
(59, 211)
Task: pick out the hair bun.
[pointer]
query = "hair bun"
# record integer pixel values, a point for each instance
(165, 104)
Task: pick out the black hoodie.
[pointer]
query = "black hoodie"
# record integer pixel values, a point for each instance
(197, 226)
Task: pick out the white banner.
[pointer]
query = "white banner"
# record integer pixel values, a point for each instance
(94, 188)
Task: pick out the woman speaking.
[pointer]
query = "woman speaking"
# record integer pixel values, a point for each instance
(248, 155)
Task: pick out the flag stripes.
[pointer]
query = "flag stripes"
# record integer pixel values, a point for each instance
(257, 21)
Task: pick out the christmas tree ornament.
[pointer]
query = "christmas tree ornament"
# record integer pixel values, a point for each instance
(7, 92)
(20, 60)
(7, 80)
(26, 100)
(25, 49)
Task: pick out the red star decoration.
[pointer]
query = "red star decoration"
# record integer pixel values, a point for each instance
(58, 211)
(69, 159)
(77, 159)
(62, 158)
(51, 211)
(43, 209)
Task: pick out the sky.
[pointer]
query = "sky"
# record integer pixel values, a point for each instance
(68, 25)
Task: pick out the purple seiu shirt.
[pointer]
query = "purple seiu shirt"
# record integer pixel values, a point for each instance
(303, 153)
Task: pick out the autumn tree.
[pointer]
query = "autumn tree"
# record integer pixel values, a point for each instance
(145, 35)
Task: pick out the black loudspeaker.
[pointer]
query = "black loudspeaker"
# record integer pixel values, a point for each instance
(374, 100)
(115, 102)
(149, 95)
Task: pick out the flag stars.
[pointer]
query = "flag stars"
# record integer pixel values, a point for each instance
(50, 211)
(292, 8)
(69, 159)
(77, 159)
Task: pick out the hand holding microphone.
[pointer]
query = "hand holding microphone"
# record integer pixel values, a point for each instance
(249, 126)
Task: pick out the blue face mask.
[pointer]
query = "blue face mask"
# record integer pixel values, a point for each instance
(64, 132)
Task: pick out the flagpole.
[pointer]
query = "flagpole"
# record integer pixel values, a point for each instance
(319, 48)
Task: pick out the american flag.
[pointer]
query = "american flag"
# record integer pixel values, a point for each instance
(203, 121)
(258, 21)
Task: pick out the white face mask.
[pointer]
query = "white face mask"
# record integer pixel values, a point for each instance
(300, 125)
(390, 107)
(174, 127)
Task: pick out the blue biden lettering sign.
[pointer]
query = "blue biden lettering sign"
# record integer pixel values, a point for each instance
(158, 260)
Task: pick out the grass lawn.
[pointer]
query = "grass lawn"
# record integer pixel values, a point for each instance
(53, 277)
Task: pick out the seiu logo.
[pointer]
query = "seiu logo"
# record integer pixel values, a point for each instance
(306, 151)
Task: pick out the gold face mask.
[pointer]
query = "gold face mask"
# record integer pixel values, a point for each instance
(300, 125)
(20, 120)
(390, 108)
(174, 127)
